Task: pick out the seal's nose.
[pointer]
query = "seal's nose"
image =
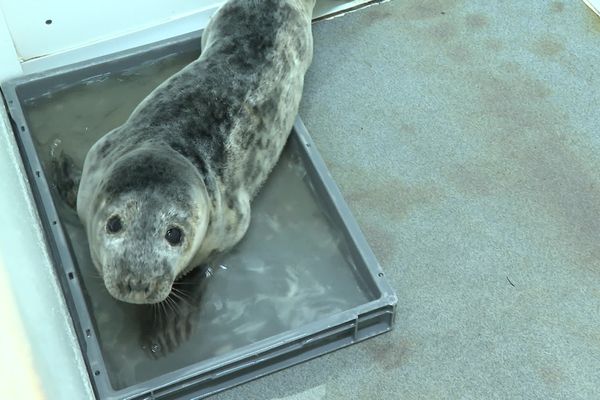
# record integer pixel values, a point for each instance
(136, 285)
(133, 288)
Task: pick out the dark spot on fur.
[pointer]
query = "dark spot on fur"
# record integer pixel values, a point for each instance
(103, 151)
(92, 168)
(230, 203)
(201, 165)
(256, 36)
(248, 174)
(145, 171)
(238, 214)
(263, 143)
(166, 270)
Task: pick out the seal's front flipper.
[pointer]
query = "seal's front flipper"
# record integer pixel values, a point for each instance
(175, 319)
(65, 176)
(172, 324)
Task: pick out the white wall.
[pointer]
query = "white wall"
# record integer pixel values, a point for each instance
(79, 23)
(82, 29)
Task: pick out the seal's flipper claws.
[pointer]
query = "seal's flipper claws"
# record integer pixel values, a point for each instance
(165, 333)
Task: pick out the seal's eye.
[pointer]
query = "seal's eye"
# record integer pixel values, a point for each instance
(174, 236)
(114, 225)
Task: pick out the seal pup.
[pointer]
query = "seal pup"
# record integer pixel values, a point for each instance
(172, 186)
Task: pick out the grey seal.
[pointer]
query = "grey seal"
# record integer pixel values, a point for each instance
(172, 186)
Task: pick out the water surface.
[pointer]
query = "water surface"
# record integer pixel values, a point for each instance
(292, 268)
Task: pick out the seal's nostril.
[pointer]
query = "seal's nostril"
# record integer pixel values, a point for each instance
(137, 286)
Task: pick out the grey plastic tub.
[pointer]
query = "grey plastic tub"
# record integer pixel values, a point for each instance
(374, 315)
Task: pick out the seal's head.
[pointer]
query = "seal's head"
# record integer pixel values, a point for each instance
(148, 221)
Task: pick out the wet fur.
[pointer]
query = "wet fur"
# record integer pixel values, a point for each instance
(205, 140)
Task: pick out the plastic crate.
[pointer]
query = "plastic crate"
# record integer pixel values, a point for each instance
(202, 377)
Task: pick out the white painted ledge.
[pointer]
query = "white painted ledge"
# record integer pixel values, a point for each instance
(80, 31)
(34, 317)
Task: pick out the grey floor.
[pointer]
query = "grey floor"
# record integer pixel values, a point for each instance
(464, 138)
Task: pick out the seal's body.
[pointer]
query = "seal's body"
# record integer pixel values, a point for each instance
(172, 185)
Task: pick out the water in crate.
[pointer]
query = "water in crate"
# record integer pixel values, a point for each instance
(291, 269)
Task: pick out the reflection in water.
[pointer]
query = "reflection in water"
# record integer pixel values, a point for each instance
(290, 269)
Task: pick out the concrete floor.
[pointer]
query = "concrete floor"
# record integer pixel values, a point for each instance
(464, 137)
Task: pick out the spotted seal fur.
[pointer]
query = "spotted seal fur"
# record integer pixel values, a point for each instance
(172, 186)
